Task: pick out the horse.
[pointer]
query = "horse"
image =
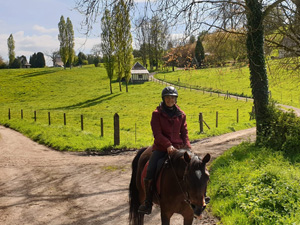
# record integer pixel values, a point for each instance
(183, 183)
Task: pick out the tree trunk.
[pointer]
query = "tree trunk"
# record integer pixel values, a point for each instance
(110, 86)
(258, 73)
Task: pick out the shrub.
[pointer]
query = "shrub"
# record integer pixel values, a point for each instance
(283, 131)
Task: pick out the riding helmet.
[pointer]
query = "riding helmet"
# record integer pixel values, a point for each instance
(169, 91)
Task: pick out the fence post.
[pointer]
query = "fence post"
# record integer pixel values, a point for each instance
(9, 114)
(116, 129)
(101, 123)
(21, 113)
(201, 122)
(34, 115)
(49, 118)
(135, 133)
(237, 115)
(65, 119)
(81, 122)
(217, 118)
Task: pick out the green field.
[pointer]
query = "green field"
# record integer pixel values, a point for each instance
(283, 83)
(85, 91)
(255, 185)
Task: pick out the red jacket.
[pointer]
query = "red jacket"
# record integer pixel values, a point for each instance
(168, 130)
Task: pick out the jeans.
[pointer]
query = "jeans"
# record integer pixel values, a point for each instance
(156, 155)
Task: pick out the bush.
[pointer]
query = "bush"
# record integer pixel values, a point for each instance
(283, 131)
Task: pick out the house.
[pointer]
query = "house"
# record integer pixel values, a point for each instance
(57, 62)
(23, 62)
(139, 73)
(290, 47)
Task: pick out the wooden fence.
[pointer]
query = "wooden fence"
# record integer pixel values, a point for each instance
(116, 122)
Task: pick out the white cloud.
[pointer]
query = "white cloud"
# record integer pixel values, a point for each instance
(46, 43)
(42, 29)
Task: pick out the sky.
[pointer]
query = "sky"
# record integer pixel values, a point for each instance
(34, 26)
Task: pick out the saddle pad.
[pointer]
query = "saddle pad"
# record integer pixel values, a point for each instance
(157, 179)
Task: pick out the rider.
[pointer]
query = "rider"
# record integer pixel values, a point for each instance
(170, 132)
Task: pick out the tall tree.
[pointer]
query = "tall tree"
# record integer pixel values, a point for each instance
(40, 60)
(108, 46)
(70, 42)
(225, 18)
(199, 51)
(127, 43)
(123, 41)
(159, 32)
(63, 40)
(11, 49)
(118, 29)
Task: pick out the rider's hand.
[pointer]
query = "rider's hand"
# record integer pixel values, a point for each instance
(170, 149)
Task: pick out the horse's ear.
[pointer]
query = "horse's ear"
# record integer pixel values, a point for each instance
(206, 158)
(187, 157)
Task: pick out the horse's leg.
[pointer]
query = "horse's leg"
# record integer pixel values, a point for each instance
(188, 216)
(165, 218)
(188, 221)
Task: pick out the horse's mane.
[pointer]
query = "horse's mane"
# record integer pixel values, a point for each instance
(176, 155)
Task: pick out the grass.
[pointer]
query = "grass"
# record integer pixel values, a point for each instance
(255, 185)
(85, 91)
(283, 81)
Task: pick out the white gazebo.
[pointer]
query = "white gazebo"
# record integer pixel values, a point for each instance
(139, 73)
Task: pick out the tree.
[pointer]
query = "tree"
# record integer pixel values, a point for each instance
(53, 55)
(40, 60)
(11, 49)
(123, 41)
(2, 63)
(37, 60)
(107, 46)
(82, 59)
(229, 15)
(63, 40)
(199, 51)
(70, 42)
(16, 64)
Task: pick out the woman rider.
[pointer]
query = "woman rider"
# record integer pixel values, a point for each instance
(170, 132)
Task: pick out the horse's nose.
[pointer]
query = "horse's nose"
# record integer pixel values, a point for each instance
(198, 210)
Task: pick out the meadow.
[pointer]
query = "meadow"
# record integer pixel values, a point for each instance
(255, 185)
(85, 91)
(284, 81)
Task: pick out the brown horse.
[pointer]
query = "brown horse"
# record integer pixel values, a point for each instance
(182, 187)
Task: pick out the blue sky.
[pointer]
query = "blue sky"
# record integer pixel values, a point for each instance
(34, 26)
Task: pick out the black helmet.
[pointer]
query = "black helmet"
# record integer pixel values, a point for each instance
(169, 91)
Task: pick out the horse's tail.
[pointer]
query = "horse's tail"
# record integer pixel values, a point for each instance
(135, 218)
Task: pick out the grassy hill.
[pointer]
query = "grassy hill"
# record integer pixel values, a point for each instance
(283, 81)
(85, 91)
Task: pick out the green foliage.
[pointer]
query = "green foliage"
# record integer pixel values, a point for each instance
(63, 40)
(199, 51)
(37, 60)
(283, 132)
(11, 49)
(85, 91)
(254, 185)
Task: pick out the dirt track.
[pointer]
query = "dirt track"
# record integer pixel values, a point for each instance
(42, 186)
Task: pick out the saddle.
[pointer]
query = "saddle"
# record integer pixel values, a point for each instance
(161, 165)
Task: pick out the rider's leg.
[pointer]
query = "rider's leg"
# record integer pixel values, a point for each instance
(146, 208)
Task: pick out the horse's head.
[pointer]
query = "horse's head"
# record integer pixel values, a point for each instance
(196, 178)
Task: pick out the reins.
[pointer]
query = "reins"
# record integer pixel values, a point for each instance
(185, 194)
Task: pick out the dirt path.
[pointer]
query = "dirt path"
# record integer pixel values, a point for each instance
(42, 186)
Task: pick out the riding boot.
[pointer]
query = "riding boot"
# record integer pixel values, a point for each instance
(146, 208)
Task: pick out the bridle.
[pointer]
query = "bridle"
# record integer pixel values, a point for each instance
(185, 193)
